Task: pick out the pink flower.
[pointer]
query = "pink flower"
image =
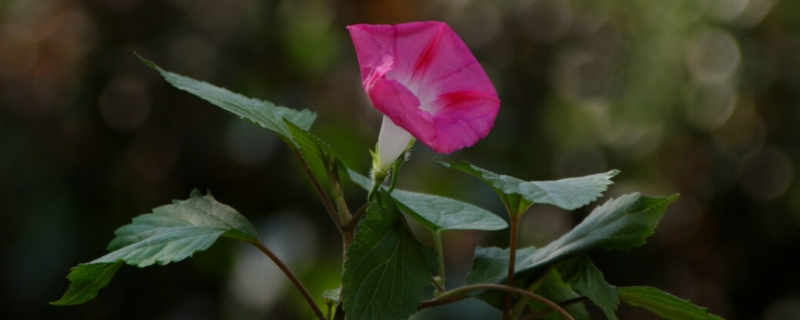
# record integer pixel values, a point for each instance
(425, 81)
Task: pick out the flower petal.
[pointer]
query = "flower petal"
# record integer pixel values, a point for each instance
(455, 103)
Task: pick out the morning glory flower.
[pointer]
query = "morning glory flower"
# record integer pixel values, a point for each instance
(428, 85)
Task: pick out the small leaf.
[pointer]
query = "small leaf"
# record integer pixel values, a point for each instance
(584, 276)
(555, 289)
(263, 113)
(387, 270)
(664, 304)
(439, 213)
(170, 234)
(87, 280)
(330, 297)
(568, 194)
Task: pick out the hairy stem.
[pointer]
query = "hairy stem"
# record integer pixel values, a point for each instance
(293, 278)
(460, 294)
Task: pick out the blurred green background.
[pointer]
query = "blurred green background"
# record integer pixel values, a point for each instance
(697, 97)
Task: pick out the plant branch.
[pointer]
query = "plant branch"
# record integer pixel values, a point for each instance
(293, 278)
(320, 192)
(460, 294)
(540, 313)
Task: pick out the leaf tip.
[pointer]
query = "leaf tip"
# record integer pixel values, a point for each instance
(147, 62)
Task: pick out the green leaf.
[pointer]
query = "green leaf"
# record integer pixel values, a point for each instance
(556, 290)
(174, 232)
(584, 276)
(87, 280)
(619, 224)
(663, 304)
(263, 113)
(330, 297)
(568, 194)
(170, 234)
(439, 213)
(387, 270)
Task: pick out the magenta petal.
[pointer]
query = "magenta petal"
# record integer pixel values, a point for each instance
(423, 77)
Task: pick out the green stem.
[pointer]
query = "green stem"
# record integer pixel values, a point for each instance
(437, 239)
(291, 277)
(459, 294)
(395, 174)
(512, 256)
(320, 192)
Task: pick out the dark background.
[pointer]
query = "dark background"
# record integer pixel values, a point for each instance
(697, 97)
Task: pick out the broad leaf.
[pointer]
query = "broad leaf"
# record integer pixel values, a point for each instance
(619, 224)
(439, 213)
(584, 276)
(664, 304)
(387, 270)
(86, 280)
(555, 289)
(568, 194)
(170, 234)
(263, 113)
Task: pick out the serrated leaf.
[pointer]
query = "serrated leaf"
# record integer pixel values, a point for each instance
(387, 270)
(619, 224)
(555, 289)
(170, 234)
(664, 304)
(86, 280)
(174, 232)
(263, 113)
(439, 213)
(568, 194)
(584, 276)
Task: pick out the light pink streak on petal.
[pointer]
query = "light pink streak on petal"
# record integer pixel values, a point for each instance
(457, 103)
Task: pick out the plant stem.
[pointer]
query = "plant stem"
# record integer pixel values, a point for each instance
(512, 257)
(293, 278)
(459, 294)
(437, 239)
(395, 173)
(320, 192)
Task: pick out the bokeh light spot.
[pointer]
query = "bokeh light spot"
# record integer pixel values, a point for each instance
(708, 106)
(713, 55)
(767, 175)
(125, 104)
